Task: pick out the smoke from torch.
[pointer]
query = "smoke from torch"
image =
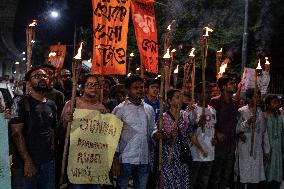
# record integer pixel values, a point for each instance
(79, 54)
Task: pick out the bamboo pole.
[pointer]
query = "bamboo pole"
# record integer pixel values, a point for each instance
(76, 67)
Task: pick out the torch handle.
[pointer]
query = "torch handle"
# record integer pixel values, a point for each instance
(76, 70)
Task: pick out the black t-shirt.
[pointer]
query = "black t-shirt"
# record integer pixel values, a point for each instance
(39, 120)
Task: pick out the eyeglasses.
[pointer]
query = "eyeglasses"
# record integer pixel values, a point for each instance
(40, 76)
(93, 85)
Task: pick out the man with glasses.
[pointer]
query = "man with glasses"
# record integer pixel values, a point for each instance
(91, 101)
(33, 121)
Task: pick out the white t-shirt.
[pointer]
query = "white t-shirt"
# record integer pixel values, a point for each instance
(205, 139)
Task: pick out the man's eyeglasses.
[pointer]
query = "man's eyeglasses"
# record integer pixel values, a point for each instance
(93, 85)
(40, 76)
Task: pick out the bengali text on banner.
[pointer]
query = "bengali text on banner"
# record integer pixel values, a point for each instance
(93, 141)
(144, 21)
(110, 26)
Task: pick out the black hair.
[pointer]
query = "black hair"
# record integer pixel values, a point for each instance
(152, 81)
(114, 90)
(49, 66)
(29, 73)
(87, 76)
(269, 98)
(170, 95)
(250, 93)
(223, 81)
(199, 87)
(282, 101)
(132, 79)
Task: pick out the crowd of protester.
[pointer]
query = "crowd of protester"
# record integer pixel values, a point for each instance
(234, 141)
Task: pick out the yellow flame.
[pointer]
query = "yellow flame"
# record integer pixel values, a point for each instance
(174, 50)
(258, 65)
(79, 54)
(169, 27)
(132, 54)
(207, 30)
(158, 76)
(90, 60)
(17, 63)
(137, 69)
(267, 61)
(192, 52)
(34, 23)
(176, 70)
(128, 75)
(52, 54)
(167, 55)
(223, 68)
(221, 50)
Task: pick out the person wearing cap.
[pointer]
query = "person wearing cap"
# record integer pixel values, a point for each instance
(152, 89)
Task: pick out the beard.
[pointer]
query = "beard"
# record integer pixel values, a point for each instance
(41, 86)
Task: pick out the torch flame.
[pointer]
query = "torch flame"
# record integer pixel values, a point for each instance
(167, 55)
(207, 30)
(223, 68)
(137, 69)
(158, 76)
(174, 50)
(267, 61)
(129, 74)
(258, 65)
(221, 50)
(132, 54)
(78, 55)
(52, 54)
(176, 70)
(169, 27)
(192, 52)
(90, 60)
(34, 23)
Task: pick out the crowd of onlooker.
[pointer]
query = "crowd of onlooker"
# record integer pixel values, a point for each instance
(218, 138)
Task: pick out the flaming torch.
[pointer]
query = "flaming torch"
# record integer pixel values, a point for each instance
(204, 58)
(258, 72)
(30, 37)
(176, 76)
(267, 65)
(219, 55)
(76, 67)
(192, 62)
(130, 61)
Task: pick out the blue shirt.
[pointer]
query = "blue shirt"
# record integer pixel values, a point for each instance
(155, 105)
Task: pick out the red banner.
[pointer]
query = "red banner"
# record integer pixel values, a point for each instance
(57, 55)
(110, 25)
(144, 21)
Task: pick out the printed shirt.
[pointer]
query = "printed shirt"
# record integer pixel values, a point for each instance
(205, 139)
(138, 126)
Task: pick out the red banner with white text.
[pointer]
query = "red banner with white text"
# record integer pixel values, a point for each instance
(110, 25)
(144, 21)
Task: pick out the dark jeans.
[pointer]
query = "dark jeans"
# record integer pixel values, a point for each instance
(270, 185)
(221, 170)
(200, 174)
(44, 179)
(249, 186)
(139, 174)
(85, 186)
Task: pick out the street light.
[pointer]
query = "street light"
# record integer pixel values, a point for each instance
(54, 14)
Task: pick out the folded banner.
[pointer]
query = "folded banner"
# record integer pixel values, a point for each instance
(57, 55)
(144, 21)
(110, 25)
(5, 181)
(93, 141)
